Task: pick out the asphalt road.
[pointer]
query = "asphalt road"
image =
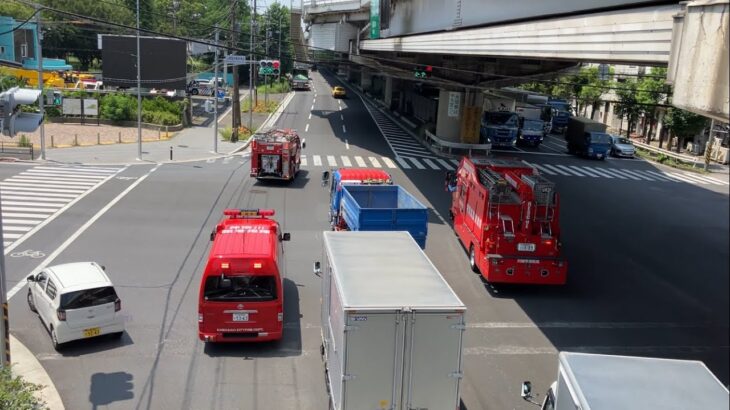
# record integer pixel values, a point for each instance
(648, 275)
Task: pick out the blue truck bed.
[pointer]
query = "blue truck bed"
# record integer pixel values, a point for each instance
(384, 208)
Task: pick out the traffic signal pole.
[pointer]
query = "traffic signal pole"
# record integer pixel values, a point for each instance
(236, 108)
(215, 95)
(39, 58)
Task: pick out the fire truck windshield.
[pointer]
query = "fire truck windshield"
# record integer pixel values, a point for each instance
(240, 288)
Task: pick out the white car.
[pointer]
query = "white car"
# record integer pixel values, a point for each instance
(622, 147)
(75, 301)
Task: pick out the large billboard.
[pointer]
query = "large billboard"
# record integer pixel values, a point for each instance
(162, 65)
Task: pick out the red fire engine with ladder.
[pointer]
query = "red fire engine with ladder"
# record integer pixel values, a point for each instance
(276, 154)
(506, 216)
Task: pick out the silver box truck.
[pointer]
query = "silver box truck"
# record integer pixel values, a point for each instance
(595, 382)
(392, 328)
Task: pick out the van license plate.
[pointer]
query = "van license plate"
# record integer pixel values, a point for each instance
(526, 247)
(91, 332)
(240, 317)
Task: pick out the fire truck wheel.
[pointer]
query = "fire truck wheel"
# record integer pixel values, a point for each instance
(473, 260)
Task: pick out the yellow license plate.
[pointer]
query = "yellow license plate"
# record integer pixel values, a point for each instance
(94, 331)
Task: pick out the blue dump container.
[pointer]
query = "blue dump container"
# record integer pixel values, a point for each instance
(384, 208)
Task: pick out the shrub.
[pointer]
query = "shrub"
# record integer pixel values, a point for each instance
(118, 107)
(23, 141)
(226, 133)
(160, 118)
(16, 393)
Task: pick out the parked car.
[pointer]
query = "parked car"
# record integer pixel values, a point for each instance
(339, 92)
(622, 147)
(75, 301)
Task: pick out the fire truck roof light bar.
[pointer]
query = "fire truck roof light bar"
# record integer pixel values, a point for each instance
(238, 213)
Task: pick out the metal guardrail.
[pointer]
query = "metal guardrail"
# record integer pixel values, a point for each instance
(456, 148)
(680, 157)
(16, 150)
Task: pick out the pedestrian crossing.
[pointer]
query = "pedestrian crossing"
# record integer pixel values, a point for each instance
(626, 174)
(402, 143)
(37, 194)
(333, 161)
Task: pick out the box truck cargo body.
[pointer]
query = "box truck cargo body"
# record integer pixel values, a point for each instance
(392, 327)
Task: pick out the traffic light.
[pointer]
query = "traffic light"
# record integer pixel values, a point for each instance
(275, 65)
(12, 120)
(423, 71)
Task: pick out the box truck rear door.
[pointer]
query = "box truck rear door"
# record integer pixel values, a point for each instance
(373, 341)
(435, 361)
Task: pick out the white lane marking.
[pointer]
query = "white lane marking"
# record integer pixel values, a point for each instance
(342, 117)
(626, 171)
(403, 163)
(344, 129)
(26, 215)
(704, 178)
(566, 169)
(430, 163)
(540, 168)
(314, 100)
(345, 161)
(311, 109)
(340, 108)
(415, 162)
(445, 164)
(78, 233)
(19, 222)
(331, 161)
(556, 169)
(303, 160)
(48, 183)
(690, 179)
(317, 160)
(78, 177)
(375, 162)
(360, 162)
(623, 350)
(7, 205)
(36, 188)
(388, 162)
(657, 176)
(16, 228)
(306, 128)
(310, 116)
(7, 193)
(613, 172)
(592, 172)
(85, 169)
(347, 145)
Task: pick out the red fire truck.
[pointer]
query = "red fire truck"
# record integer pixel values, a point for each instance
(506, 216)
(276, 154)
(241, 292)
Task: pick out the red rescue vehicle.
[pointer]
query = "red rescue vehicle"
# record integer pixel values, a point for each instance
(276, 154)
(241, 292)
(506, 216)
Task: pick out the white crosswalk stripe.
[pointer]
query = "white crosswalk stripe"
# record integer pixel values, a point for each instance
(572, 172)
(416, 163)
(33, 195)
(303, 160)
(705, 178)
(614, 173)
(445, 164)
(375, 162)
(331, 161)
(388, 162)
(456, 162)
(638, 175)
(684, 179)
(430, 164)
(345, 161)
(540, 168)
(556, 169)
(403, 163)
(317, 160)
(360, 162)
(590, 172)
(692, 178)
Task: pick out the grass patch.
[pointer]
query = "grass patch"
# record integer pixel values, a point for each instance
(282, 86)
(24, 141)
(261, 107)
(243, 133)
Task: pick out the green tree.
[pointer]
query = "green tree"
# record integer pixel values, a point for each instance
(684, 124)
(626, 105)
(15, 10)
(18, 394)
(652, 90)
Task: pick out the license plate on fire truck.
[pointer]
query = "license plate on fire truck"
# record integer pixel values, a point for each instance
(526, 247)
(240, 317)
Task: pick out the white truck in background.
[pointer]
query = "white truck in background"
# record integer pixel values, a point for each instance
(392, 328)
(595, 382)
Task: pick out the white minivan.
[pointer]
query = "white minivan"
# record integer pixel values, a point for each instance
(75, 301)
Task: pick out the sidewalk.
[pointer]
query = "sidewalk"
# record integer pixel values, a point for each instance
(25, 364)
(195, 143)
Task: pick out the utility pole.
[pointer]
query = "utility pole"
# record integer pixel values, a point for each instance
(255, 97)
(215, 95)
(4, 323)
(39, 58)
(278, 77)
(251, 74)
(139, 94)
(236, 107)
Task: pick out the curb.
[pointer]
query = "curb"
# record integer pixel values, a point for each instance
(272, 119)
(26, 365)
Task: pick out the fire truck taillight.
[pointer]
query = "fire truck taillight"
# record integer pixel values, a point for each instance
(200, 317)
(225, 265)
(257, 265)
(248, 212)
(280, 316)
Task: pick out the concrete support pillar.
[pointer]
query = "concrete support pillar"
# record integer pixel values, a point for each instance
(448, 121)
(366, 79)
(388, 92)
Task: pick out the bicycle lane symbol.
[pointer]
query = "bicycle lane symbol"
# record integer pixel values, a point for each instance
(29, 253)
